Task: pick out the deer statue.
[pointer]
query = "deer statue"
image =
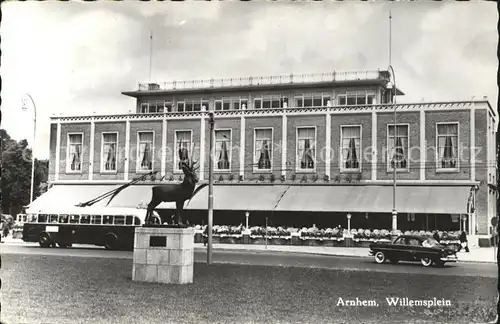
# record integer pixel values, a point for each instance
(177, 193)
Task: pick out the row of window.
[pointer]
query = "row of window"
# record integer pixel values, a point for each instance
(260, 102)
(306, 150)
(85, 219)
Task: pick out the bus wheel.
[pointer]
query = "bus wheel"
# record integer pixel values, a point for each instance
(111, 241)
(45, 240)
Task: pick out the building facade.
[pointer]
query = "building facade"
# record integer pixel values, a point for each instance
(322, 144)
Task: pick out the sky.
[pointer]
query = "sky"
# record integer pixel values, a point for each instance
(76, 58)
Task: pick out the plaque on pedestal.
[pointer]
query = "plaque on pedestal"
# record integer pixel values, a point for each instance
(163, 254)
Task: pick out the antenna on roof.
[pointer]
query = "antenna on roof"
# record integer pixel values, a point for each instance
(150, 53)
(390, 38)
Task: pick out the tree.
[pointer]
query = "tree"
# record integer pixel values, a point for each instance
(15, 183)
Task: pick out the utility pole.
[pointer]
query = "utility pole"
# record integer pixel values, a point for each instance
(210, 188)
(393, 90)
(25, 108)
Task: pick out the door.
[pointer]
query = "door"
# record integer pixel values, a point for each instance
(414, 249)
(398, 249)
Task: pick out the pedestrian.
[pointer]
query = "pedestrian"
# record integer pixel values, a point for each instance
(2, 230)
(6, 225)
(463, 242)
(436, 236)
(205, 236)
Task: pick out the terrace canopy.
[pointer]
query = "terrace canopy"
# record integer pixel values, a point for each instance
(283, 198)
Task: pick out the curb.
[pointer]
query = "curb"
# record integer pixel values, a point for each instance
(202, 248)
(324, 253)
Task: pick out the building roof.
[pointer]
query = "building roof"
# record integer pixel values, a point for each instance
(263, 82)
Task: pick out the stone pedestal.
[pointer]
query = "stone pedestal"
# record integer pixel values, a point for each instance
(163, 255)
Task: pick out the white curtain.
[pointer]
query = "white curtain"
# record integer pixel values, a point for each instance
(447, 145)
(306, 147)
(183, 148)
(109, 150)
(263, 148)
(75, 152)
(350, 152)
(145, 151)
(222, 148)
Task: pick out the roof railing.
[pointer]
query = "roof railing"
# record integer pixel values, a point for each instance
(265, 80)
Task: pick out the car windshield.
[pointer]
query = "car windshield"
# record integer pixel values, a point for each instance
(430, 242)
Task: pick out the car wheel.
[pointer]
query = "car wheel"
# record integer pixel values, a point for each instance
(426, 262)
(44, 240)
(380, 257)
(111, 241)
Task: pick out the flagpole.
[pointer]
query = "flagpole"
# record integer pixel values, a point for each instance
(150, 53)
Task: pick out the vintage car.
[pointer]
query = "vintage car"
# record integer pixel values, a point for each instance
(413, 248)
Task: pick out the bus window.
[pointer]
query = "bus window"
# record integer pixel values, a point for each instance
(42, 218)
(85, 219)
(54, 218)
(96, 219)
(64, 219)
(129, 220)
(107, 220)
(74, 219)
(137, 221)
(119, 220)
(32, 218)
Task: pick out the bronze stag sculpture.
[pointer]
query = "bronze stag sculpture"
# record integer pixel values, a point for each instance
(177, 193)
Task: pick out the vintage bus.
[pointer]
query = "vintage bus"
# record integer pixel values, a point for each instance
(112, 228)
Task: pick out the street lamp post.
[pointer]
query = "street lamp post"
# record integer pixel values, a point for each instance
(349, 224)
(25, 108)
(247, 214)
(210, 188)
(393, 90)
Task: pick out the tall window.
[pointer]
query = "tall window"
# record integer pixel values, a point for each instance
(74, 160)
(351, 148)
(263, 153)
(313, 100)
(356, 98)
(183, 146)
(306, 148)
(146, 151)
(397, 147)
(223, 149)
(109, 151)
(447, 146)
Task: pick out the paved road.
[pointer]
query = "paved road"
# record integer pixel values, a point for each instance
(272, 258)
